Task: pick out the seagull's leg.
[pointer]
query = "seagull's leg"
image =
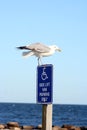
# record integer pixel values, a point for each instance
(38, 61)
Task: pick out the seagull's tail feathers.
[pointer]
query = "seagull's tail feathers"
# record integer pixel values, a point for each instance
(27, 54)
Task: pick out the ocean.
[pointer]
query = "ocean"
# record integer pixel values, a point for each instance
(31, 114)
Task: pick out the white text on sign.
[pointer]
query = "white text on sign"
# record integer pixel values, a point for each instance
(44, 84)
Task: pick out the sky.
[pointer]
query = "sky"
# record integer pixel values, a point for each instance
(60, 22)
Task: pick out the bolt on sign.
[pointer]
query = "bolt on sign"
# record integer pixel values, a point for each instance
(45, 84)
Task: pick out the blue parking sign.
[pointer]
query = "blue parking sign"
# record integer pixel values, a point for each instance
(45, 84)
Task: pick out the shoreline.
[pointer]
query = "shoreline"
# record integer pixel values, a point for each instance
(17, 126)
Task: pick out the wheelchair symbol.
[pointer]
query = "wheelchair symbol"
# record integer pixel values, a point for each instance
(44, 75)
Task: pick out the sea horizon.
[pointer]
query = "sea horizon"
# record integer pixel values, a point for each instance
(42, 104)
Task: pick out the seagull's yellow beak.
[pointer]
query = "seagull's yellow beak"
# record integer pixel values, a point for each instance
(58, 49)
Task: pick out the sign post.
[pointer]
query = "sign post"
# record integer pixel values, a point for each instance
(45, 93)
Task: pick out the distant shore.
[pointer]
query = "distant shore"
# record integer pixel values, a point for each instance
(17, 126)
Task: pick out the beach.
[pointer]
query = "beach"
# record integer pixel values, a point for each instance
(17, 126)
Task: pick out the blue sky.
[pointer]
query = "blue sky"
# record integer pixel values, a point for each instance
(60, 22)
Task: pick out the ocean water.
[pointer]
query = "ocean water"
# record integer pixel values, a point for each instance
(31, 114)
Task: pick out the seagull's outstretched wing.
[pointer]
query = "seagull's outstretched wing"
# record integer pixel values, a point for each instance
(27, 54)
(23, 47)
(38, 47)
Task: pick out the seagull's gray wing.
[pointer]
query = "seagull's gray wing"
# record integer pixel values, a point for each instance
(39, 47)
(27, 54)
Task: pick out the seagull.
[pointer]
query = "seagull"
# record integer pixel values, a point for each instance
(39, 50)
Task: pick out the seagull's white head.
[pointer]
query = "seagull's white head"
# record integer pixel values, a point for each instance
(56, 48)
